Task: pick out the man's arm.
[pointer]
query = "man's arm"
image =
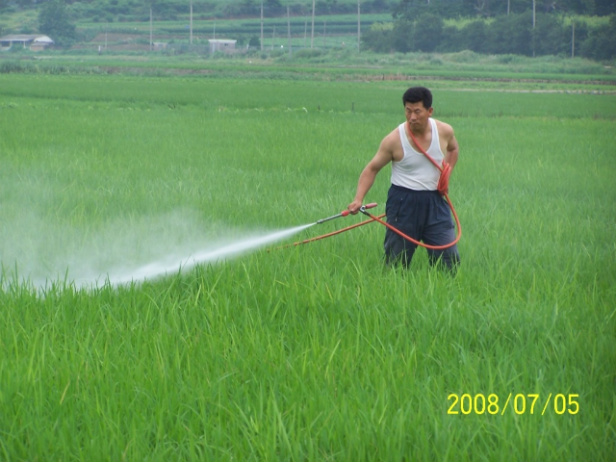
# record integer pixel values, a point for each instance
(383, 156)
(451, 152)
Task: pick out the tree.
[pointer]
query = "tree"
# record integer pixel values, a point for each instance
(551, 38)
(600, 42)
(379, 37)
(473, 36)
(605, 7)
(402, 35)
(254, 42)
(511, 34)
(273, 8)
(53, 21)
(427, 32)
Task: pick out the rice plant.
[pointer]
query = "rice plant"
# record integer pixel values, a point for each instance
(307, 352)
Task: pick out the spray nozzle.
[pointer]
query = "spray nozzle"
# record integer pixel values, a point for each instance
(344, 213)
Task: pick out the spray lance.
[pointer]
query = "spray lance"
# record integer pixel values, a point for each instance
(345, 213)
(379, 218)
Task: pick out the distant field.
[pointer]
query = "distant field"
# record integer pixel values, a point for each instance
(464, 71)
(312, 352)
(330, 31)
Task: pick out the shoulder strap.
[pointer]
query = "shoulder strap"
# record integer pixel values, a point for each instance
(423, 151)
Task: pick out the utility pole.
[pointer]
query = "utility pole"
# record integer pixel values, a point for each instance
(324, 34)
(261, 25)
(312, 32)
(289, 29)
(191, 23)
(573, 39)
(358, 27)
(534, 15)
(151, 44)
(534, 21)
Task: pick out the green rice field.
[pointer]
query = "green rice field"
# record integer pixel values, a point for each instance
(311, 352)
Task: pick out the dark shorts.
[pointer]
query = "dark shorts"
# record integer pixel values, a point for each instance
(425, 216)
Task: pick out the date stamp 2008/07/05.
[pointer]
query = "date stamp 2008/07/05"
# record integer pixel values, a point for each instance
(520, 403)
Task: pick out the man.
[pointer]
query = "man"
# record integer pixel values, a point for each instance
(414, 205)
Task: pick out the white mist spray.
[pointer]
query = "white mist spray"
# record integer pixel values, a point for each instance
(41, 253)
(161, 268)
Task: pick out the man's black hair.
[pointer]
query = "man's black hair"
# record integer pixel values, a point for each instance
(417, 94)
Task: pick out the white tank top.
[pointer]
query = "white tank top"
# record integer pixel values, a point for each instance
(414, 170)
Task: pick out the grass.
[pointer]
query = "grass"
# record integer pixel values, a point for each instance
(465, 70)
(312, 352)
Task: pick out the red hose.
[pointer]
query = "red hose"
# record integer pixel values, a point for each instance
(414, 241)
(443, 186)
(394, 229)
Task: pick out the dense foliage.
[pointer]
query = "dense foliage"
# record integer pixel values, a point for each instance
(521, 34)
(491, 8)
(53, 21)
(170, 9)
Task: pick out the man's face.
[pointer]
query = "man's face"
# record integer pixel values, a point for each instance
(416, 114)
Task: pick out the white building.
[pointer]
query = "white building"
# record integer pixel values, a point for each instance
(34, 42)
(224, 45)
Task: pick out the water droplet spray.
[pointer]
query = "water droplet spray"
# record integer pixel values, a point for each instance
(161, 268)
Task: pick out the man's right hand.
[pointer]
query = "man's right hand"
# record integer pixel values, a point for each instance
(354, 206)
